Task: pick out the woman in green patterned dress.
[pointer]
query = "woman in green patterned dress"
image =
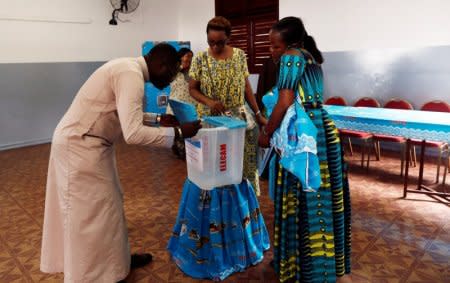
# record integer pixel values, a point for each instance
(179, 88)
(312, 199)
(219, 82)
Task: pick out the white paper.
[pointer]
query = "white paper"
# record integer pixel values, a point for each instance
(194, 154)
(264, 158)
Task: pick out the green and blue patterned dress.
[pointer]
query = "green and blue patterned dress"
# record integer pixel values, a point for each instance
(312, 227)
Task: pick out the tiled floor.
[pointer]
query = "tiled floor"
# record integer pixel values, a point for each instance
(394, 239)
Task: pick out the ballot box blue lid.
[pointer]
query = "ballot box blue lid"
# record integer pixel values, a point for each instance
(183, 111)
(225, 121)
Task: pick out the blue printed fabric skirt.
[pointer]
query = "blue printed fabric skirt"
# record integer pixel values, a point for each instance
(218, 232)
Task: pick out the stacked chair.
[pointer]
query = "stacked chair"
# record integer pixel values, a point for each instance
(395, 104)
(366, 138)
(443, 147)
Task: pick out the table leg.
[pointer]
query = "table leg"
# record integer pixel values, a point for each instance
(405, 180)
(422, 161)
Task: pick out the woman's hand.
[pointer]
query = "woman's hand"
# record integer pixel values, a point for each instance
(217, 108)
(261, 120)
(263, 139)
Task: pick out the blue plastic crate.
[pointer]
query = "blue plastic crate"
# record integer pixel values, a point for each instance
(156, 100)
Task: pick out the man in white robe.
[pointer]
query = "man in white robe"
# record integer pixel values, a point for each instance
(85, 231)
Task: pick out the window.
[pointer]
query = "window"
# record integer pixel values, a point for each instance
(251, 21)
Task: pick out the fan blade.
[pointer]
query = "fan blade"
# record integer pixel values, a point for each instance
(124, 5)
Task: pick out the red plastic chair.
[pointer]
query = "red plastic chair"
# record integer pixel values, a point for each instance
(366, 138)
(395, 104)
(398, 104)
(436, 106)
(367, 102)
(340, 101)
(336, 100)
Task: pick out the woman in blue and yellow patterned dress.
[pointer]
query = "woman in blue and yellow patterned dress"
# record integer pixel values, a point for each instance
(312, 201)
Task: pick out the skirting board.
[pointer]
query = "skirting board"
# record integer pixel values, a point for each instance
(24, 143)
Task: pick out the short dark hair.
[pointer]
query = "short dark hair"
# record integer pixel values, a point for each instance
(183, 51)
(163, 64)
(219, 23)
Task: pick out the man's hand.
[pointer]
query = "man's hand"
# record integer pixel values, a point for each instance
(168, 120)
(190, 129)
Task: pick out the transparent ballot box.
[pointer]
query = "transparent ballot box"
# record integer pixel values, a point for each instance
(215, 155)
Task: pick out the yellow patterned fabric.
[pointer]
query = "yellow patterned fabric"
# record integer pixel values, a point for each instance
(224, 80)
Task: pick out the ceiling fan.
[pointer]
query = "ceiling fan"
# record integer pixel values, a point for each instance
(124, 7)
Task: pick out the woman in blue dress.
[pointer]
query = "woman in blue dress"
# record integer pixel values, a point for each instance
(309, 181)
